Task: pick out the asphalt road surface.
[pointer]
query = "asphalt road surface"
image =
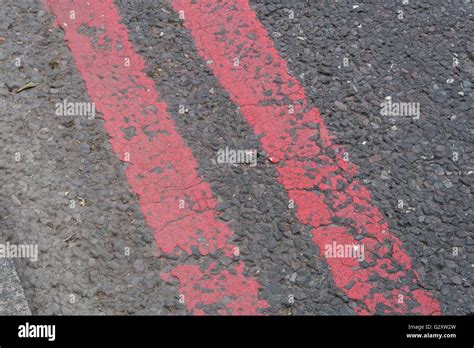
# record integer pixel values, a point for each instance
(236, 157)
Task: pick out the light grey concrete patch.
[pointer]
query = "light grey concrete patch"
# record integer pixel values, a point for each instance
(12, 297)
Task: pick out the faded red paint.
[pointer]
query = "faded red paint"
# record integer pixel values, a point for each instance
(314, 171)
(233, 289)
(162, 169)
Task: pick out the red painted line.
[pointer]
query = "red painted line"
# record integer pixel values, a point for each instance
(162, 169)
(327, 196)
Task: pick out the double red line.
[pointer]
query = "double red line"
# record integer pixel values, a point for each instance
(179, 206)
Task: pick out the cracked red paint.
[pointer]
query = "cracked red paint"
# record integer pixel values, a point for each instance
(175, 202)
(228, 35)
(229, 287)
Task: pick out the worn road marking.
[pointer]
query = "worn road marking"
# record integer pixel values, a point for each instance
(175, 202)
(315, 172)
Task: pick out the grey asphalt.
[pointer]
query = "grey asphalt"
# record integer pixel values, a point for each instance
(83, 267)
